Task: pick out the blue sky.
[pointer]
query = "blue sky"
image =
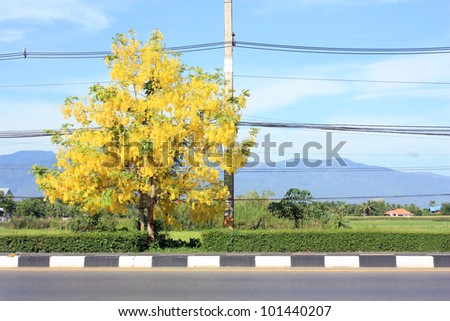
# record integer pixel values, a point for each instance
(81, 25)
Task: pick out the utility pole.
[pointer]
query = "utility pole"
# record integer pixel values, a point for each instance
(228, 76)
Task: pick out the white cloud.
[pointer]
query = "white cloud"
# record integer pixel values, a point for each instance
(411, 68)
(272, 94)
(30, 114)
(424, 68)
(11, 35)
(438, 116)
(284, 93)
(75, 11)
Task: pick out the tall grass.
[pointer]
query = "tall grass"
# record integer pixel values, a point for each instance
(250, 212)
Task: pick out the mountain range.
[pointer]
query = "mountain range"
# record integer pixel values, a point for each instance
(353, 183)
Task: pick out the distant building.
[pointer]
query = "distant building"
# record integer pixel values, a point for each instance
(435, 210)
(4, 191)
(399, 212)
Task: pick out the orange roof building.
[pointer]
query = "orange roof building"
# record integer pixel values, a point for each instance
(398, 212)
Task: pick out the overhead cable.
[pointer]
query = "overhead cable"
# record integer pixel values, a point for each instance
(101, 54)
(349, 197)
(346, 80)
(337, 50)
(237, 44)
(432, 130)
(388, 129)
(337, 169)
(55, 84)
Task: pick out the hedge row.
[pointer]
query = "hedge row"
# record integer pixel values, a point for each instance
(234, 241)
(74, 242)
(323, 241)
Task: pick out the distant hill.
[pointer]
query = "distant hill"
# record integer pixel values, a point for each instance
(323, 182)
(346, 181)
(14, 170)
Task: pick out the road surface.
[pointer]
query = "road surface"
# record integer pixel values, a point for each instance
(238, 284)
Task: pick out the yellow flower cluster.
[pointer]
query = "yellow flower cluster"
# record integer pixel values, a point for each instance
(152, 132)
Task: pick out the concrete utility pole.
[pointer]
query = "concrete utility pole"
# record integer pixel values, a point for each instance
(228, 75)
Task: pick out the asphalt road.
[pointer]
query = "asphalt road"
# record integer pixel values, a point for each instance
(224, 284)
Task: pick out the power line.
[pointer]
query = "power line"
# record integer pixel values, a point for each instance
(337, 50)
(390, 129)
(101, 54)
(349, 197)
(249, 76)
(345, 80)
(341, 169)
(55, 84)
(237, 44)
(32, 133)
(201, 47)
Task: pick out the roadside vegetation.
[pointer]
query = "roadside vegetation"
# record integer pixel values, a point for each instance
(257, 215)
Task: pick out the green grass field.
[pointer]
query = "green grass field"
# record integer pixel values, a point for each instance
(402, 224)
(185, 235)
(427, 224)
(4, 231)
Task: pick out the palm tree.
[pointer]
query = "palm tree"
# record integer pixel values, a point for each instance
(367, 208)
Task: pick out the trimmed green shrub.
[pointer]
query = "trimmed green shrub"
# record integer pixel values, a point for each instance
(333, 241)
(74, 242)
(102, 222)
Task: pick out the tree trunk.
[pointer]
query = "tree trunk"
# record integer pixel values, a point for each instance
(141, 212)
(141, 219)
(151, 220)
(151, 203)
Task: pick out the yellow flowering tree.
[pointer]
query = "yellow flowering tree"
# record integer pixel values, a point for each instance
(158, 135)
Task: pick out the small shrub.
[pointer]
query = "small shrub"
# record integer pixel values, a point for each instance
(98, 222)
(294, 206)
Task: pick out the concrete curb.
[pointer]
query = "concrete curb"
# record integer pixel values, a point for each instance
(227, 260)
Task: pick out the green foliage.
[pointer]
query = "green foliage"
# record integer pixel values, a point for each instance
(331, 241)
(34, 207)
(250, 212)
(60, 210)
(370, 208)
(101, 222)
(417, 211)
(445, 209)
(31, 222)
(337, 221)
(182, 219)
(74, 242)
(38, 208)
(294, 206)
(164, 242)
(7, 203)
